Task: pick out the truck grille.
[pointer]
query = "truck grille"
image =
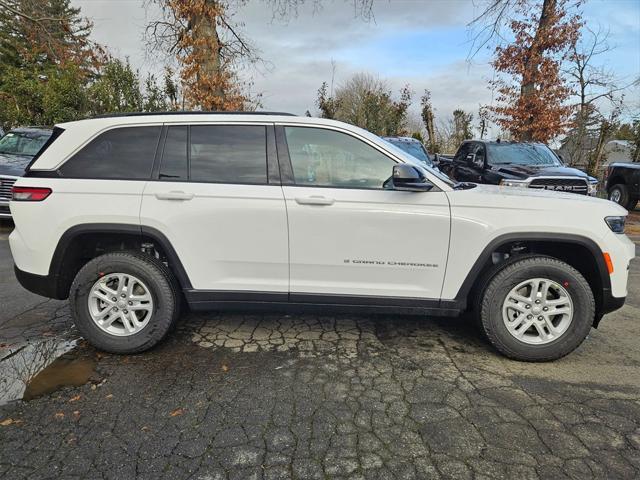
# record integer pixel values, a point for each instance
(5, 188)
(573, 185)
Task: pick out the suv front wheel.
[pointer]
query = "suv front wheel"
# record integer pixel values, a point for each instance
(124, 302)
(537, 309)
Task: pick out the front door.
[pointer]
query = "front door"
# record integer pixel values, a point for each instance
(348, 235)
(213, 201)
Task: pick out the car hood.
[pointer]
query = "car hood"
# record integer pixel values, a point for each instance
(532, 199)
(13, 165)
(525, 171)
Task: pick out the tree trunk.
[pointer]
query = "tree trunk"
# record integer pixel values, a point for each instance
(431, 131)
(532, 64)
(207, 53)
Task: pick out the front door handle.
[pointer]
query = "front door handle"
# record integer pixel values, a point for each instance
(174, 195)
(314, 200)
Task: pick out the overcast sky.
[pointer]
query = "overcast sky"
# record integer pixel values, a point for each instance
(421, 43)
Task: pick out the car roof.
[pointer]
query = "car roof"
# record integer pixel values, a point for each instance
(190, 112)
(403, 139)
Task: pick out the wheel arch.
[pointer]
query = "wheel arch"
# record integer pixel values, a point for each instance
(81, 243)
(615, 180)
(580, 252)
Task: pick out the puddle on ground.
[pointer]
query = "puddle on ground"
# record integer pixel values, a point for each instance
(35, 369)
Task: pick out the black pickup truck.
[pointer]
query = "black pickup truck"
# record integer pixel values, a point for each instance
(515, 164)
(622, 181)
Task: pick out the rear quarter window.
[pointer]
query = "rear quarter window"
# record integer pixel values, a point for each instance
(125, 153)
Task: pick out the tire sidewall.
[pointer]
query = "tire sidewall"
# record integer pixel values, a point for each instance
(624, 195)
(163, 305)
(583, 311)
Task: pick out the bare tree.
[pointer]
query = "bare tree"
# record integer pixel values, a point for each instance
(598, 91)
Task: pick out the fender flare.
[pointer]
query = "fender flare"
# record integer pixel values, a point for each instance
(501, 240)
(55, 267)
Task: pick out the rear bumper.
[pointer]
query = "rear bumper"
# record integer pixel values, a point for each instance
(4, 209)
(45, 285)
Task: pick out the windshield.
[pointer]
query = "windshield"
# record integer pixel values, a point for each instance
(412, 148)
(521, 154)
(22, 143)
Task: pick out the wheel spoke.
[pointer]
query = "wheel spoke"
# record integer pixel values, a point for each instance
(119, 317)
(523, 327)
(102, 296)
(535, 288)
(541, 331)
(126, 321)
(519, 298)
(548, 309)
(544, 291)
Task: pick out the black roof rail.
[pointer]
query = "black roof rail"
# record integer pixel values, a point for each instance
(188, 112)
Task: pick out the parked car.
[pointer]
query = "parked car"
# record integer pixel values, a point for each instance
(527, 165)
(17, 149)
(413, 147)
(622, 182)
(127, 215)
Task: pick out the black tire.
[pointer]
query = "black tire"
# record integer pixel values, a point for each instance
(153, 273)
(514, 272)
(619, 193)
(631, 206)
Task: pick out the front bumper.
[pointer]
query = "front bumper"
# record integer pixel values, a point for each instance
(608, 304)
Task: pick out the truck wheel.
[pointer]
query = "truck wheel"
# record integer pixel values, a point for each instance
(619, 193)
(124, 302)
(536, 309)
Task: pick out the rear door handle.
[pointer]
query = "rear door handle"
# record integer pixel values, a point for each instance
(314, 200)
(174, 196)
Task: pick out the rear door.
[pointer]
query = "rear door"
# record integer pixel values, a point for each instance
(221, 208)
(350, 237)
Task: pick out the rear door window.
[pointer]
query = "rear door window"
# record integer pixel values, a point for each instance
(228, 154)
(121, 153)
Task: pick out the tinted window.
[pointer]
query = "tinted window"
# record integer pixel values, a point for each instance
(463, 151)
(174, 155)
(125, 153)
(328, 158)
(23, 143)
(522, 154)
(228, 154)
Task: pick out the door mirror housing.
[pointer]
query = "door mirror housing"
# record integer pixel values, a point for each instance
(408, 178)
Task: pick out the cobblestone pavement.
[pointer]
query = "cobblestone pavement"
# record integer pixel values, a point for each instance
(242, 396)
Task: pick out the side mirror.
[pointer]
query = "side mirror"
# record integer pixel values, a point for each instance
(408, 178)
(436, 159)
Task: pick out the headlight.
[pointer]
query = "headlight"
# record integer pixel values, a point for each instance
(593, 188)
(514, 183)
(616, 224)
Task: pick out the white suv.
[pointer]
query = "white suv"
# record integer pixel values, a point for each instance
(129, 215)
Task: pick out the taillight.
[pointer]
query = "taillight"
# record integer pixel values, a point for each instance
(29, 194)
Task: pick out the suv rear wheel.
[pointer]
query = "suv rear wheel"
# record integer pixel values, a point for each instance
(124, 302)
(619, 193)
(536, 309)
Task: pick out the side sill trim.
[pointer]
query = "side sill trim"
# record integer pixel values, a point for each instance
(214, 299)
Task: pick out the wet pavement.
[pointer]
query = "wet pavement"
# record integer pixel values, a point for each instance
(237, 395)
